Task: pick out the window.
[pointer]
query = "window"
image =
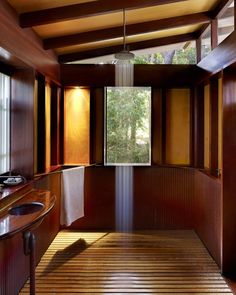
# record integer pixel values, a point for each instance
(128, 126)
(206, 42)
(4, 123)
(226, 23)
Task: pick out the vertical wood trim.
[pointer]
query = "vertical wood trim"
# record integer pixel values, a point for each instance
(220, 120)
(48, 125)
(191, 127)
(61, 126)
(198, 127)
(41, 125)
(199, 49)
(35, 126)
(54, 125)
(97, 125)
(208, 213)
(156, 126)
(22, 122)
(207, 135)
(229, 171)
(163, 124)
(214, 33)
(214, 125)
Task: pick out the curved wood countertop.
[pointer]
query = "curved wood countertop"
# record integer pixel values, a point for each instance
(13, 224)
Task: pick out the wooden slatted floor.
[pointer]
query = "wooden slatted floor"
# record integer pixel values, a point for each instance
(158, 262)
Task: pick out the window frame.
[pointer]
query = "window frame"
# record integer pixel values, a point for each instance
(105, 129)
(7, 73)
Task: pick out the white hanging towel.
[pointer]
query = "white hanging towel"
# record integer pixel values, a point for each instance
(72, 195)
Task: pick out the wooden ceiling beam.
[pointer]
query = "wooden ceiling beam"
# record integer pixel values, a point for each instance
(65, 13)
(134, 29)
(221, 8)
(131, 46)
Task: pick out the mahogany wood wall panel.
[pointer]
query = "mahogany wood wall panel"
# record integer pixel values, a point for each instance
(41, 124)
(198, 126)
(229, 171)
(22, 123)
(208, 212)
(214, 125)
(25, 45)
(55, 125)
(220, 120)
(48, 126)
(163, 198)
(144, 75)
(99, 199)
(156, 126)
(97, 125)
(207, 126)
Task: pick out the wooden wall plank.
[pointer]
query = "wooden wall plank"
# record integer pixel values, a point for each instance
(22, 123)
(97, 125)
(144, 75)
(208, 213)
(220, 120)
(47, 126)
(99, 199)
(25, 45)
(214, 125)
(198, 126)
(55, 125)
(163, 198)
(156, 140)
(207, 126)
(229, 172)
(41, 124)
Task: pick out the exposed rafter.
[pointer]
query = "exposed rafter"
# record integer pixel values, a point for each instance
(221, 8)
(131, 46)
(134, 29)
(46, 16)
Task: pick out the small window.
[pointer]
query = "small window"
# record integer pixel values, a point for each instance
(128, 126)
(206, 42)
(226, 23)
(4, 123)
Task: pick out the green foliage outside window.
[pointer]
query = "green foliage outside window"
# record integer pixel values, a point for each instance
(128, 125)
(179, 56)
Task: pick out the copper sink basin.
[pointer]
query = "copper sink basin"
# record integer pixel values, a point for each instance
(26, 208)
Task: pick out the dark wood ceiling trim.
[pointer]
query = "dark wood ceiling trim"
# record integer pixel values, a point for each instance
(221, 8)
(202, 30)
(134, 29)
(132, 46)
(46, 16)
(221, 57)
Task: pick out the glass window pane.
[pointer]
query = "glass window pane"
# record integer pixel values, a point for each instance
(128, 117)
(4, 123)
(206, 42)
(226, 23)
